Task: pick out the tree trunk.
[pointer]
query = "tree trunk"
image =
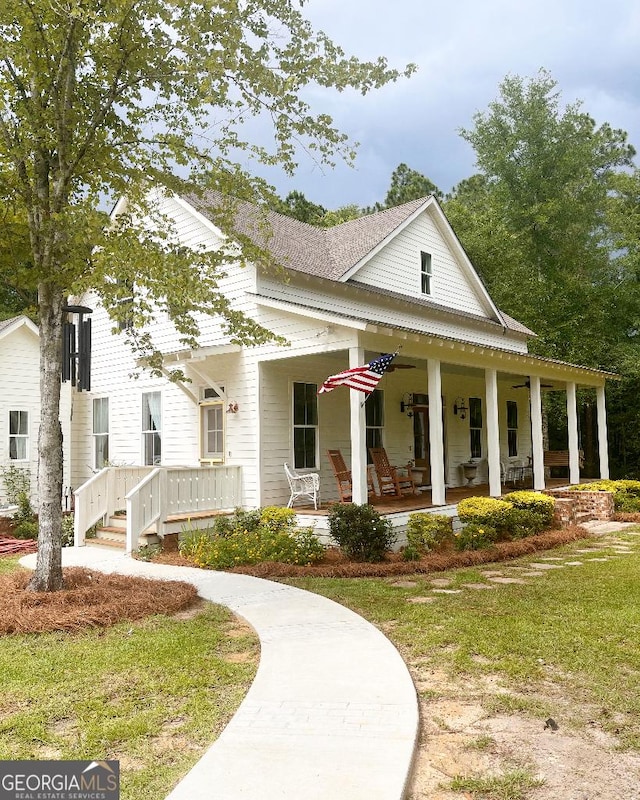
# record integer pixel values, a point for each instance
(48, 573)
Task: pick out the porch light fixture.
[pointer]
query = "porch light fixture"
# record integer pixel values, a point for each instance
(232, 408)
(406, 404)
(459, 408)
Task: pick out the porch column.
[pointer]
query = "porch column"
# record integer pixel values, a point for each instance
(537, 445)
(493, 432)
(572, 425)
(603, 442)
(358, 434)
(436, 433)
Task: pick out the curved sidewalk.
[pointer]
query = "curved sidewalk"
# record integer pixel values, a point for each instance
(332, 712)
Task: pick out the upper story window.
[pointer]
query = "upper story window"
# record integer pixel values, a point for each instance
(512, 427)
(100, 432)
(152, 427)
(18, 435)
(305, 425)
(426, 272)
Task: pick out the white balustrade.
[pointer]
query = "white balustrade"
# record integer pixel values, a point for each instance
(144, 507)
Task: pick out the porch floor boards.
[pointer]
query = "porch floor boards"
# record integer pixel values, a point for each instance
(454, 495)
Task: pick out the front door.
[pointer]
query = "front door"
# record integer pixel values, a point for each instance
(421, 438)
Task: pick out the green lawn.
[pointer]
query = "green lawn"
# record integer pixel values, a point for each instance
(153, 694)
(578, 627)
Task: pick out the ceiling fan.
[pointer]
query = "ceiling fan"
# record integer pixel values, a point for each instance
(394, 367)
(527, 385)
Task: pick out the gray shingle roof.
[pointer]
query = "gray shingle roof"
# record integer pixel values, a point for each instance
(322, 252)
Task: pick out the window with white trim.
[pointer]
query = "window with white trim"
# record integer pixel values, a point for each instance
(305, 425)
(512, 427)
(19, 435)
(426, 272)
(152, 428)
(374, 418)
(100, 432)
(475, 426)
(212, 430)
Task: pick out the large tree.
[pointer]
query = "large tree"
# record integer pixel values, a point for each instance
(103, 98)
(534, 219)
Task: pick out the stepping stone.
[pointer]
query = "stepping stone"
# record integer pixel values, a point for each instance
(507, 580)
(441, 582)
(588, 550)
(550, 558)
(573, 563)
(421, 599)
(448, 591)
(587, 560)
(491, 573)
(531, 574)
(478, 586)
(404, 584)
(545, 566)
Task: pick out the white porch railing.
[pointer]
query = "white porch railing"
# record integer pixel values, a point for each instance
(102, 495)
(152, 495)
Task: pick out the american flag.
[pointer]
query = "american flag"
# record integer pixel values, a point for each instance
(364, 379)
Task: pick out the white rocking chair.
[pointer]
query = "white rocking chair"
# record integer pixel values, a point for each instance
(302, 485)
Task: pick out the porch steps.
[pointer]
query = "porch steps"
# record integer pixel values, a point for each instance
(115, 533)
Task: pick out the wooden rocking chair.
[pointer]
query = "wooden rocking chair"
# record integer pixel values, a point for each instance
(390, 480)
(343, 477)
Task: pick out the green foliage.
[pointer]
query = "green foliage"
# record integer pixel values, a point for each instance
(17, 481)
(426, 532)
(148, 552)
(67, 530)
(25, 522)
(267, 534)
(516, 515)
(540, 505)
(475, 536)
(488, 511)
(360, 531)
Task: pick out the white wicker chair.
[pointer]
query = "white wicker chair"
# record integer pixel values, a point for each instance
(303, 485)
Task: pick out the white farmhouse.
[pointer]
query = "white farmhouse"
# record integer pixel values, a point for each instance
(461, 404)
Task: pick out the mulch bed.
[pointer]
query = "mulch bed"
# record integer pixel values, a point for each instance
(336, 565)
(88, 600)
(626, 517)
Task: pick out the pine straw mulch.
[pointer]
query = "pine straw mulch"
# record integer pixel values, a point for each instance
(628, 516)
(88, 600)
(337, 565)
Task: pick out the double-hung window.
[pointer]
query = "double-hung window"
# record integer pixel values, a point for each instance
(512, 427)
(212, 418)
(475, 426)
(374, 417)
(426, 272)
(305, 425)
(100, 432)
(19, 435)
(152, 427)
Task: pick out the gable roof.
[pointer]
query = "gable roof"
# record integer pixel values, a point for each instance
(336, 253)
(8, 326)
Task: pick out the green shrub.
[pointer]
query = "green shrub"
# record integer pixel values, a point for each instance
(426, 532)
(538, 510)
(486, 511)
(266, 542)
(25, 522)
(67, 530)
(148, 552)
(17, 482)
(475, 537)
(361, 533)
(240, 520)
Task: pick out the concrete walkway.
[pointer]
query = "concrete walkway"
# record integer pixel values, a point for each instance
(332, 712)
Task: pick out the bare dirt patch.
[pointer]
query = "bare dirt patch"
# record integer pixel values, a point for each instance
(464, 732)
(88, 599)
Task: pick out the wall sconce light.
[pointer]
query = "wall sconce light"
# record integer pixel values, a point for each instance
(406, 404)
(459, 408)
(233, 408)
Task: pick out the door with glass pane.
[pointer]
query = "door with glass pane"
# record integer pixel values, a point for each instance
(421, 438)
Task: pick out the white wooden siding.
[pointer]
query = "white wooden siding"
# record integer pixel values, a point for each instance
(397, 268)
(340, 300)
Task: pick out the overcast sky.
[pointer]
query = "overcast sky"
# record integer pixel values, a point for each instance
(464, 49)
